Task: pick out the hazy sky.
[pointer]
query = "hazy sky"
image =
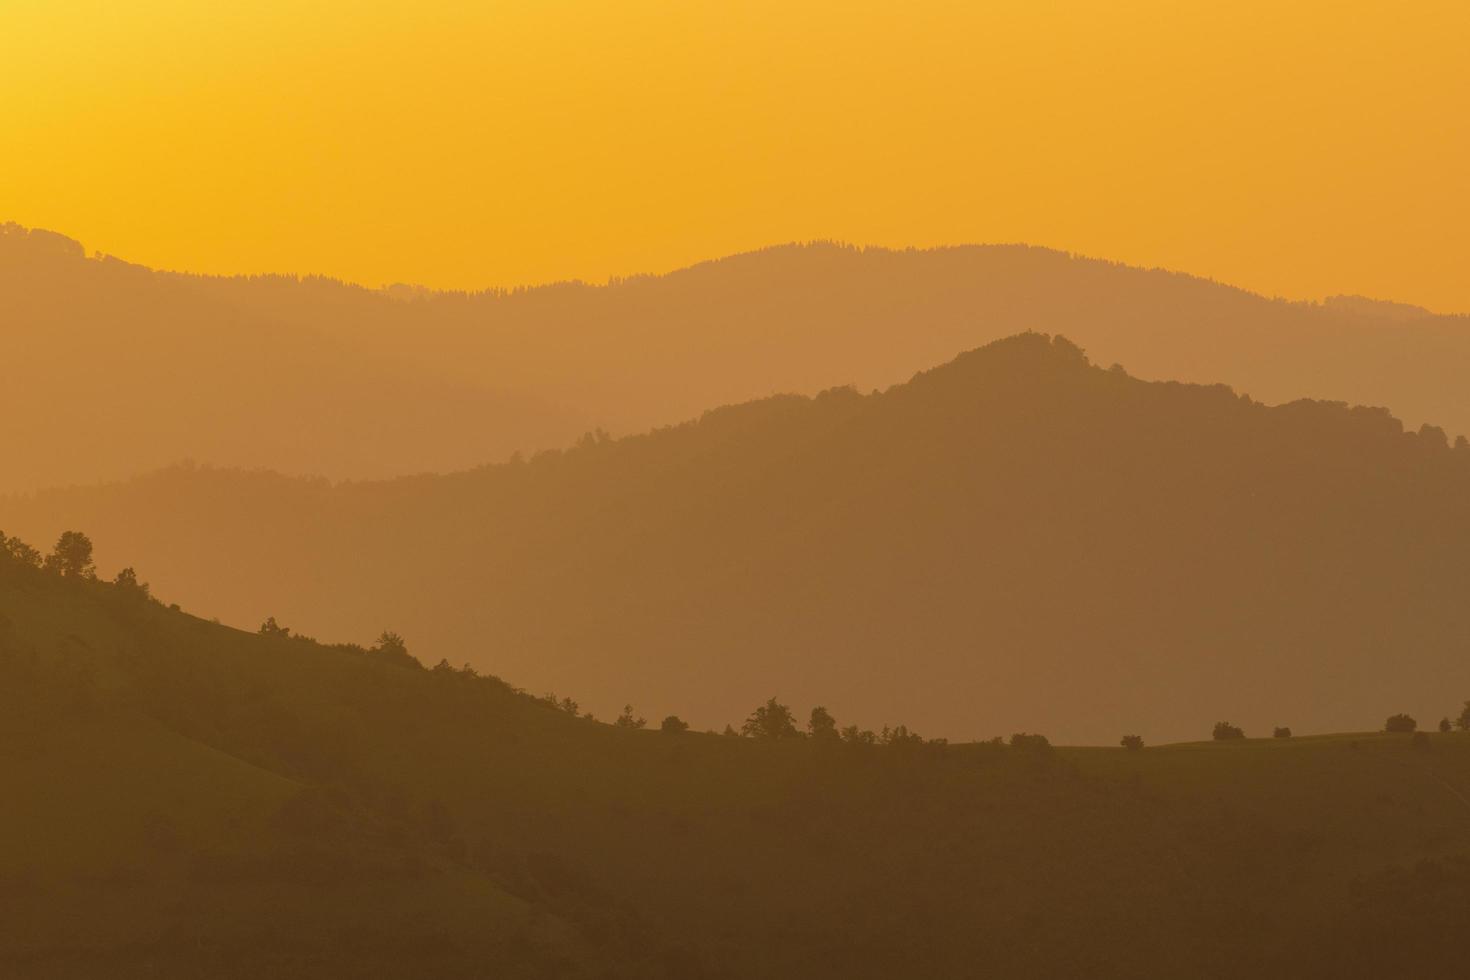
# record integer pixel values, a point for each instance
(1298, 148)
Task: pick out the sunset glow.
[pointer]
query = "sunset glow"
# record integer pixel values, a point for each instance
(1297, 150)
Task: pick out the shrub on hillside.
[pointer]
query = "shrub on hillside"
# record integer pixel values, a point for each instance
(626, 719)
(275, 630)
(1400, 723)
(392, 648)
(1281, 732)
(1224, 730)
(673, 725)
(1036, 744)
(127, 583)
(1132, 742)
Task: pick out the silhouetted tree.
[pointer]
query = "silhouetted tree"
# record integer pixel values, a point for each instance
(391, 643)
(72, 556)
(391, 647)
(1400, 723)
(626, 719)
(730, 732)
(899, 735)
(1445, 726)
(770, 721)
(1224, 730)
(274, 629)
(853, 735)
(1463, 722)
(1132, 742)
(673, 725)
(822, 724)
(1281, 732)
(20, 552)
(127, 581)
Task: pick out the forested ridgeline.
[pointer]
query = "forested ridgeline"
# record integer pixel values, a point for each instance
(1017, 539)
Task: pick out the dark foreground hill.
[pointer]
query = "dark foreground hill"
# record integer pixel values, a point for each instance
(140, 369)
(182, 799)
(1015, 539)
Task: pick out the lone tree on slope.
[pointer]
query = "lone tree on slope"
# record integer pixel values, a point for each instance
(72, 556)
(771, 720)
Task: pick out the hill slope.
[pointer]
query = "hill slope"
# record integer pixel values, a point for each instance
(140, 369)
(186, 800)
(1014, 539)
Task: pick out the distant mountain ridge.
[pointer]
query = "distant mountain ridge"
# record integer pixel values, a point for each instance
(1383, 309)
(141, 369)
(1014, 538)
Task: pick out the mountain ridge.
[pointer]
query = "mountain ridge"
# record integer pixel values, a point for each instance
(943, 553)
(311, 377)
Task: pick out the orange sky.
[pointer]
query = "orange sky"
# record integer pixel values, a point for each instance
(1299, 148)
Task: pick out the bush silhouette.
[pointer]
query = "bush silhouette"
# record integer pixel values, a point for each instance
(1132, 742)
(1400, 723)
(626, 719)
(1281, 732)
(1445, 726)
(673, 725)
(1038, 744)
(274, 629)
(1463, 722)
(1224, 730)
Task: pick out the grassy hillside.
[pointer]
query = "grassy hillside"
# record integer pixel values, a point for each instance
(186, 799)
(141, 369)
(135, 844)
(1015, 539)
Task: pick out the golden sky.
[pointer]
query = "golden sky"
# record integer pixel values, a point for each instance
(1295, 148)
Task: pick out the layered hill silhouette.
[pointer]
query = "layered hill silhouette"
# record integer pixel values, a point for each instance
(140, 369)
(1017, 539)
(184, 799)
